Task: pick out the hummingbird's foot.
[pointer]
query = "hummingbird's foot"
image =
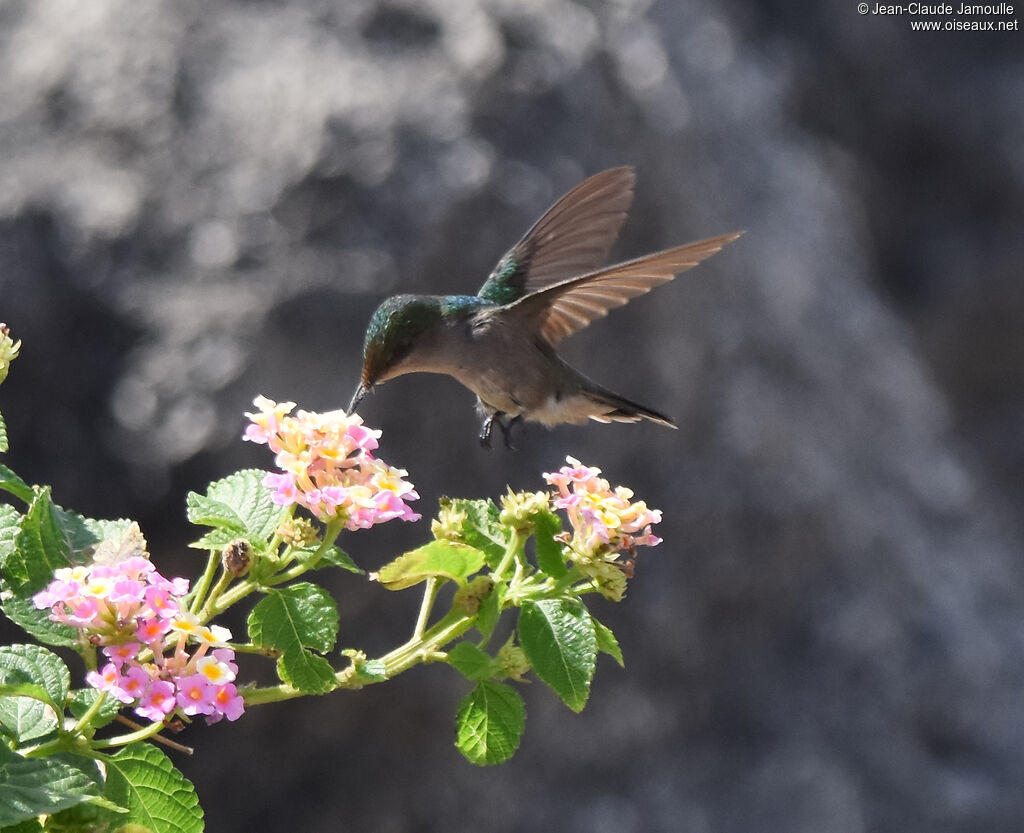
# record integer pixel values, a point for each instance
(488, 427)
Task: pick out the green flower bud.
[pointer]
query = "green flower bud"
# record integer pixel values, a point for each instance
(519, 508)
(513, 661)
(470, 597)
(449, 522)
(298, 532)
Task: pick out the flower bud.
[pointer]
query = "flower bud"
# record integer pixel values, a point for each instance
(519, 508)
(470, 597)
(513, 661)
(449, 522)
(298, 532)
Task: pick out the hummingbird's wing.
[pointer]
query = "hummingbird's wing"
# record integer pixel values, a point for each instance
(561, 309)
(572, 237)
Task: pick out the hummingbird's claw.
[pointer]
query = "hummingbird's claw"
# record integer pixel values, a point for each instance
(506, 429)
(485, 431)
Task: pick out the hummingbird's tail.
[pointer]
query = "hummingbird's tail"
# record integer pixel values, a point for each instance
(620, 409)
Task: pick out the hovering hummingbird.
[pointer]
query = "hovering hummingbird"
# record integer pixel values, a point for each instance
(500, 343)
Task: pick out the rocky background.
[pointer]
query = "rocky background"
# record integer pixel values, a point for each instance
(200, 202)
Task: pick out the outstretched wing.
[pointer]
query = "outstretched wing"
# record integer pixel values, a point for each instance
(561, 309)
(572, 238)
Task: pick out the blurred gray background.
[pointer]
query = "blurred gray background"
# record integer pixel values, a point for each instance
(201, 202)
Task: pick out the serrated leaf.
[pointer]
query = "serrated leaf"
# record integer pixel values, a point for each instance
(47, 538)
(301, 613)
(10, 482)
(30, 787)
(306, 671)
(36, 622)
(489, 723)
(26, 718)
(293, 620)
(438, 559)
(550, 558)
(558, 638)
(239, 504)
(606, 642)
(10, 526)
(158, 797)
(42, 545)
(3, 434)
(470, 661)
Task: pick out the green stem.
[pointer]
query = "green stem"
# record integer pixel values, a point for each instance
(412, 653)
(202, 587)
(429, 595)
(90, 713)
(123, 740)
(566, 581)
(232, 596)
(331, 533)
(514, 550)
(211, 607)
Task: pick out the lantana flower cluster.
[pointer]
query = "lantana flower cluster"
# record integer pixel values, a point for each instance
(327, 465)
(159, 658)
(605, 522)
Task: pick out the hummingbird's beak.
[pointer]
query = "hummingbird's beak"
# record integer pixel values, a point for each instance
(357, 397)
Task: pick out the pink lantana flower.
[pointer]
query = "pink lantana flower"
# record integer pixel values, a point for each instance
(327, 465)
(605, 524)
(135, 614)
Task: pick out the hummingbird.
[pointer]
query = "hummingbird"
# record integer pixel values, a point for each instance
(501, 343)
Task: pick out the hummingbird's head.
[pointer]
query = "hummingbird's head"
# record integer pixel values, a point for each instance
(391, 335)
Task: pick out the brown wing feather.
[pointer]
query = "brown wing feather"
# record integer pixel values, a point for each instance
(563, 308)
(572, 237)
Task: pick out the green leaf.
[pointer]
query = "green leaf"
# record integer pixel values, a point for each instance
(438, 559)
(10, 482)
(490, 723)
(293, 620)
(239, 504)
(470, 661)
(30, 787)
(143, 780)
(32, 825)
(550, 558)
(306, 671)
(46, 538)
(558, 638)
(29, 717)
(35, 622)
(42, 545)
(3, 434)
(10, 526)
(606, 642)
(483, 528)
